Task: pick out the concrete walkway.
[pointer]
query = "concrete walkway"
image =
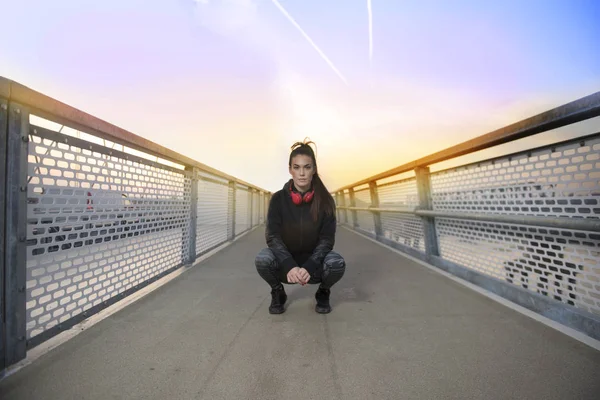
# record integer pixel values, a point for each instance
(398, 331)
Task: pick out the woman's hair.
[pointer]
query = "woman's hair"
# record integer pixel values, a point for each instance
(322, 200)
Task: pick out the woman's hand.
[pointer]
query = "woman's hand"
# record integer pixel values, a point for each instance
(293, 276)
(298, 275)
(304, 276)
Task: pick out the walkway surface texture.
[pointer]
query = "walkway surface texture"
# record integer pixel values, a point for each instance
(398, 331)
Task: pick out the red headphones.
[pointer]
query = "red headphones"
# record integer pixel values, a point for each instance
(297, 198)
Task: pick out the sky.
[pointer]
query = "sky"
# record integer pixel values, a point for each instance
(234, 83)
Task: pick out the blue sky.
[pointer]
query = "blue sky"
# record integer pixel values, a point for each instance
(234, 83)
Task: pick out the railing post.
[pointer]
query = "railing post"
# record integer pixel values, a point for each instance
(375, 204)
(255, 207)
(424, 191)
(267, 204)
(15, 233)
(353, 204)
(250, 210)
(343, 203)
(264, 209)
(193, 214)
(3, 136)
(338, 210)
(231, 211)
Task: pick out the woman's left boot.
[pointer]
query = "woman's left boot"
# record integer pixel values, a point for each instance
(278, 299)
(322, 297)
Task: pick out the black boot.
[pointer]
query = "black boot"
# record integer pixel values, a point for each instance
(278, 299)
(322, 296)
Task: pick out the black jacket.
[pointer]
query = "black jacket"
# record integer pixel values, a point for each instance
(292, 235)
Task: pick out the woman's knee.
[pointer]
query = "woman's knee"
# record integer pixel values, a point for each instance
(335, 261)
(334, 268)
(264, 259)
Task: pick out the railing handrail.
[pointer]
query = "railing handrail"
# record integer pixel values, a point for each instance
(576, 223)
(579, 110)
(52, 109)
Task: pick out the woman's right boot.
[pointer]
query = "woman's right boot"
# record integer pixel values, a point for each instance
(278, 299)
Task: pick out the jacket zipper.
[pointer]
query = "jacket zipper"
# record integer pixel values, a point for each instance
(301, 228)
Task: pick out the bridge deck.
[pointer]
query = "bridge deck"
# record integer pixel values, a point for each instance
(398, 330)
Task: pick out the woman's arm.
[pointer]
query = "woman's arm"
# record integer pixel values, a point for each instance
(273, 235)
(324, 245)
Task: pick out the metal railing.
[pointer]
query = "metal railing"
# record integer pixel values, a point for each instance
(92, 213)
(525, 226)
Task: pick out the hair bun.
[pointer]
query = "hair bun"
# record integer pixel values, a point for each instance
(306, 143)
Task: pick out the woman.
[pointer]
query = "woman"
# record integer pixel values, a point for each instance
(300, 234)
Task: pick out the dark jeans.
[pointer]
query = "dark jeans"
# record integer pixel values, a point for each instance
(330, 273)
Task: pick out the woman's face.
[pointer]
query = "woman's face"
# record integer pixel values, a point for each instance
(302, 171)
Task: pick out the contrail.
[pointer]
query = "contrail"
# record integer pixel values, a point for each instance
(370, 31)
(276, 2)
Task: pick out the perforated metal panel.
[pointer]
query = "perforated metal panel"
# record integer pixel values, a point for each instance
(402, 194)
(97, 225)
(255, 209)
(261, 208)
(212, 217)
(366, 222)
(561, 181)
(561, 264)
(242, 210)
(403, 228)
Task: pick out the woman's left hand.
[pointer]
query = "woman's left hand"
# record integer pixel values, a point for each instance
(304, 276)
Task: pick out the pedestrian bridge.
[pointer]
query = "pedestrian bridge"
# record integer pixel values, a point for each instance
(127, 270)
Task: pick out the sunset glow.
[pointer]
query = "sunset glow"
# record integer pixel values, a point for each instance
(233, 83)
